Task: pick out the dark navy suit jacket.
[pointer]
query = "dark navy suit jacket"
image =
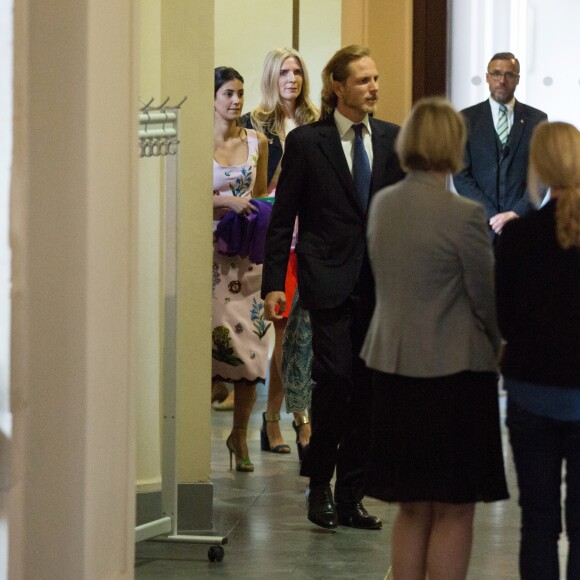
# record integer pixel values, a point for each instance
(317, 186)
(494, 177)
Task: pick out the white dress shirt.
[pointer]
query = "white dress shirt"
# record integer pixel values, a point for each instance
(495, 112)
(346, 133)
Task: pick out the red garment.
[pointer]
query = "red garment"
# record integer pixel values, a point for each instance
(291, 282)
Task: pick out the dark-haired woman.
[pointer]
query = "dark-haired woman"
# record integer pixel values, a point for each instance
(240, 332)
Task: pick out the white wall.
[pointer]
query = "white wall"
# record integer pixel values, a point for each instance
(543, 34)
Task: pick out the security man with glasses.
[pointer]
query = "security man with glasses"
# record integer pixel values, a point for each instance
(496, 152)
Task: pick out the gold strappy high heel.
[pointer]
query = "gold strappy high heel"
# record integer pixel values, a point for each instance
(265, 441)
(297, 425)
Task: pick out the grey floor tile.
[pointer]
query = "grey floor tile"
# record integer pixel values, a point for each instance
(263, 515)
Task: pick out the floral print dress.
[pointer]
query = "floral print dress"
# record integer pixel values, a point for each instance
(241, 335)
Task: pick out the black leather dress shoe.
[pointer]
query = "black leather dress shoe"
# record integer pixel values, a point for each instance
(356, 516)
(321, 508)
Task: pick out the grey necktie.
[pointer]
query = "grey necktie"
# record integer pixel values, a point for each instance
(361, 168)
(502, 125)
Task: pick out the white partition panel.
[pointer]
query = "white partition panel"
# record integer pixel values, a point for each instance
(5, 172)
(541, 33)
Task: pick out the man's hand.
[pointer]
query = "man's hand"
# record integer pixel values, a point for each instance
(499, 220)
(272, 300)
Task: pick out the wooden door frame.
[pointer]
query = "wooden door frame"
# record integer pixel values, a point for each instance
(430, 34)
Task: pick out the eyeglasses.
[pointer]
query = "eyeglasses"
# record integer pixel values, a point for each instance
(508, 76)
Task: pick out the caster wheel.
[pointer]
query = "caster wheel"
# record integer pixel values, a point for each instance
(215, 554)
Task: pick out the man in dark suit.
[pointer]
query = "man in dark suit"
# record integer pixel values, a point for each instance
(329, 171)
(496, 153)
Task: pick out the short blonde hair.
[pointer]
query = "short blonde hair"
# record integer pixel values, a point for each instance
(555, 162)
(432, 138)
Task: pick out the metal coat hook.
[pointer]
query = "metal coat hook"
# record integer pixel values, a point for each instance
(180, 103)
(162, 107)
(158, 130)
(163, 104)
(144, 108)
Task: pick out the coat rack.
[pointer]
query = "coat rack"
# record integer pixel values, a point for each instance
(159, 137)
(158, 128)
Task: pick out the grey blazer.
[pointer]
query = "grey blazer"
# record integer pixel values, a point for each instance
(433, 265)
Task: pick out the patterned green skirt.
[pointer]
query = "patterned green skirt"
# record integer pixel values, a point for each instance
(297, 359)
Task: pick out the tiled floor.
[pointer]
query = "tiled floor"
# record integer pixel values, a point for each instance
(263, 515)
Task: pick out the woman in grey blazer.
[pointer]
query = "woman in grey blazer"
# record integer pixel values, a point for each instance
(433, 343)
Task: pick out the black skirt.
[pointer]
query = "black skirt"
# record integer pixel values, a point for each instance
(436, 439)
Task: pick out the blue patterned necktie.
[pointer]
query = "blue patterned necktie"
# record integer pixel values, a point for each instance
(361, 168)
(502, 125)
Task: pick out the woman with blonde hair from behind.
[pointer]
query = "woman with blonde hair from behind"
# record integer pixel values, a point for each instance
(433, 345)
(538, 297)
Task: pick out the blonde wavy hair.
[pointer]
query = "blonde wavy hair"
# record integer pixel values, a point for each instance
(337, 69)
(269, 116)
(555, 162)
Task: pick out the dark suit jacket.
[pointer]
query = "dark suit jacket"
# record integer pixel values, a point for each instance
(538, 300)
(316, 184)
(497, 179)
(275, 150)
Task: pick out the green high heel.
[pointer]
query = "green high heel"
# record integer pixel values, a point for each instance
(243, 463)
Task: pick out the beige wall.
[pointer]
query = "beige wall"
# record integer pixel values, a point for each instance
(176, 44)
(186, 49)
(317, 43)
(149, 251)
(387, 29)
(72, 234)
(244, 32)
(269, 27)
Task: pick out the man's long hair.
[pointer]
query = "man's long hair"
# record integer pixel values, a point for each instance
(337, 69)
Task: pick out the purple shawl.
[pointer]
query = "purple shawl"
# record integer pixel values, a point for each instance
(244, 235)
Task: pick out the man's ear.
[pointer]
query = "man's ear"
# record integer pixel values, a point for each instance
(337, 88)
